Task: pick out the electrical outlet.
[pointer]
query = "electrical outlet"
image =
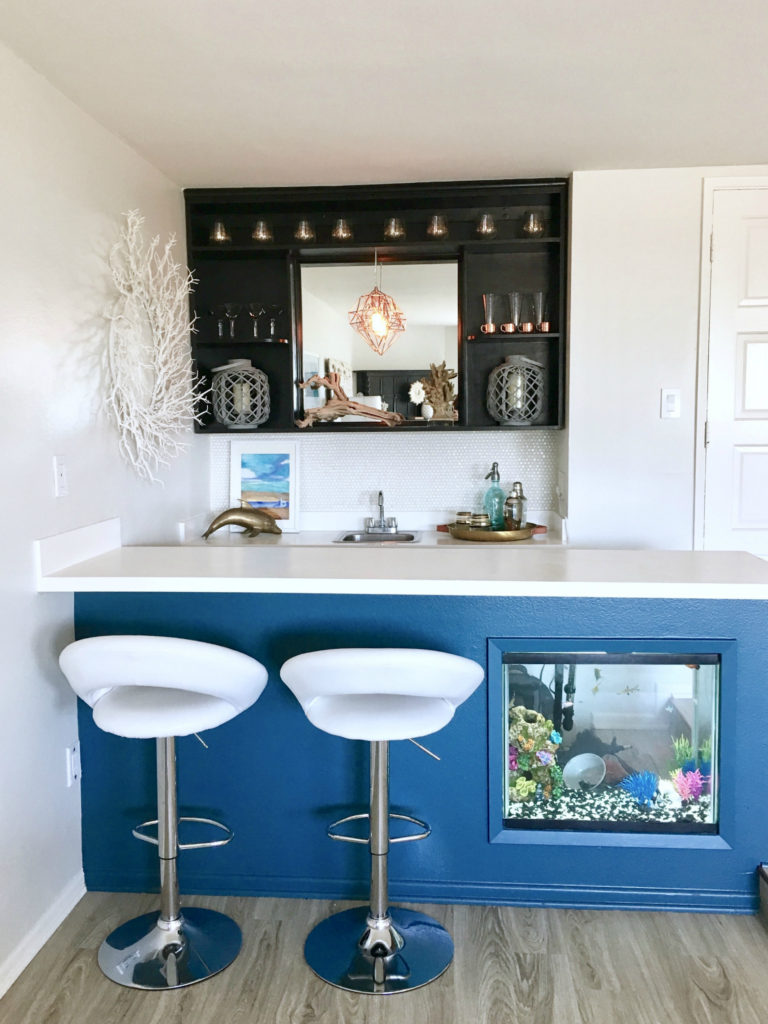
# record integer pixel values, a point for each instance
(74, 770)
(60, 477)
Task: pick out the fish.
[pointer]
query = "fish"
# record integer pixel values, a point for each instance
(630, 690)
(254, 521)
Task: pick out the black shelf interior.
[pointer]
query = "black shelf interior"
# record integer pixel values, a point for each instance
(243, 271)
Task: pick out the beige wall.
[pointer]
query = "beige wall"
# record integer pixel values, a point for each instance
(66, 182)
(634, 322)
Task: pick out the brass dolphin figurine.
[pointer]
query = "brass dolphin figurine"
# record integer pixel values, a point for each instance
(254, 520)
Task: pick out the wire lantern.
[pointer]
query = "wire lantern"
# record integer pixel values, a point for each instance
(240, 396)
(516, 391)
(377, 317)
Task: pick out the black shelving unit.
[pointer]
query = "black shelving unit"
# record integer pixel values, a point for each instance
(243, 271)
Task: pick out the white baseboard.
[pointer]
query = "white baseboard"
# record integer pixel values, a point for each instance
(31, 943)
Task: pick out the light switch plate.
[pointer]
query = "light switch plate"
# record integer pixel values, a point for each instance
(670, 403)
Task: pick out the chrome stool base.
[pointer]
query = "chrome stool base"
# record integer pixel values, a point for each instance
(143, 954)
(398, 953)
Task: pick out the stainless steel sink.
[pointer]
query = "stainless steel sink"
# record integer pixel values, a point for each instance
(376, 538)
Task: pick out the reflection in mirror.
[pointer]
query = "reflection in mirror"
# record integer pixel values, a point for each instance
(427, 293)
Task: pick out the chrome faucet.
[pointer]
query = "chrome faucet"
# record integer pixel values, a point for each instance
(382, 524)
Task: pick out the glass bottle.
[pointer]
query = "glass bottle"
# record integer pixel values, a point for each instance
(494, 499)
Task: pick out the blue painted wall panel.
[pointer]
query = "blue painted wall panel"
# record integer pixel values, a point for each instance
(278, 781)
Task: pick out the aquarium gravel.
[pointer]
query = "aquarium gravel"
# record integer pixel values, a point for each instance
(610, 804)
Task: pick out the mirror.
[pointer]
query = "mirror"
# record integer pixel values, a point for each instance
(427, 293)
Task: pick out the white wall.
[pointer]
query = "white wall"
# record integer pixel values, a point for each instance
(326, 331)
(66, 182)
(635, 259)
(420, 345)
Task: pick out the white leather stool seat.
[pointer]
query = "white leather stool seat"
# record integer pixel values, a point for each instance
(379, 716)
(152, 686)
(372, 693)
(151, 711)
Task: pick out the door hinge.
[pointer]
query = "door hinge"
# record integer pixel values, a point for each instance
(706, 433)
(711, 246)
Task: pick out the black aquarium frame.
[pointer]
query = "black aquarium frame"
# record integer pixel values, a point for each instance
(613, 657)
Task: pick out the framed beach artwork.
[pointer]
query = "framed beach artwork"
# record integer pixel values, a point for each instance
(266, 475)
(312, 364)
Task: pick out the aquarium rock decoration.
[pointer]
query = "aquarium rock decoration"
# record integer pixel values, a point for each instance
(611, 804)
(641, 786)
(533, 744)
(537, 793)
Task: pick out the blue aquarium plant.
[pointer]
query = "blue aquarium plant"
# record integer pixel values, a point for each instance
(641, 786)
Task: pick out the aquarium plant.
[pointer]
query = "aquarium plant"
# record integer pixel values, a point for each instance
(641, 786)
(687, 760)
(689, 785)
(533, 744)
(683, 750)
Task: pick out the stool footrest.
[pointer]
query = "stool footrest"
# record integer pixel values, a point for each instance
(230, 835)
(423, 826)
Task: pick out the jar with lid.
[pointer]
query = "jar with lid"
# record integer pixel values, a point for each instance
(516, 508)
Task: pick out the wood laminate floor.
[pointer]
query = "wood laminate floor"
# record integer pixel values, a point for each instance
(512, 966)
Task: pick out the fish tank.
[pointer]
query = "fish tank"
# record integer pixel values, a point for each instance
(611, 741)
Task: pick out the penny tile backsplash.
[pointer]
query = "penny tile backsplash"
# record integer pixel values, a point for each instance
(425, 479)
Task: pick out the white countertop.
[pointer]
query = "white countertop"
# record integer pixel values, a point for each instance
(310, 563)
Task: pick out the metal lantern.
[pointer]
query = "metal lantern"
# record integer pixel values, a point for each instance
(516, 391)
(240, 395)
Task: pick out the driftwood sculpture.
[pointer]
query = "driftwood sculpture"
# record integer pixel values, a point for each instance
(339, 404)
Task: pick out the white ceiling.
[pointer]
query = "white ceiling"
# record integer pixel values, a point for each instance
(270, 92)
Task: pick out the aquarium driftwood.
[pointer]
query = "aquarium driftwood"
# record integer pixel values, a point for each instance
(339, 404)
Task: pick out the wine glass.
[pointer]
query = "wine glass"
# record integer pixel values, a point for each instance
(219, 313)
(255, 310)
(273, 312)
(232, 312)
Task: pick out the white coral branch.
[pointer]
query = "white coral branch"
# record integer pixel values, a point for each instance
(153, 392)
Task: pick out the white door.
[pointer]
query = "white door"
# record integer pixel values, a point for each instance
(736, 438)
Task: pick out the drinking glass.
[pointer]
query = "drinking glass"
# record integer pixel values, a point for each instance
(232, 312)
(490, 308)
(255, 310)
(437, 227)
(219, 313)
(526, 315)
(540, 318)
(515, 300)
(485, 226)
(274, 313)
(533, 225)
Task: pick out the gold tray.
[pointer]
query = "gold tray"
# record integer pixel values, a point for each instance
(478, 533)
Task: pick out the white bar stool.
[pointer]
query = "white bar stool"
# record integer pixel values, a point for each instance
(162, 687)
(379, 695)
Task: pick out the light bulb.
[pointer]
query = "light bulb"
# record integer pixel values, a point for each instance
(379, 323)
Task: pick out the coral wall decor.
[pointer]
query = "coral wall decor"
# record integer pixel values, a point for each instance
(152, 390)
